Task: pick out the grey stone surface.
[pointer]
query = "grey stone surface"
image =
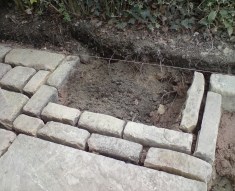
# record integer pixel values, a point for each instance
(39, 100)
(36, 82)
(64, 134)
(115, 147)
(6, 138)
(3, 100)
(179, 164)
(38, 165)
(16, 102)
(3, 51)
(16, 78)
(158, 137)
(4, 68)
(60, 113)
(27, 125)
(207, 136)
(101, 124)
(40, 60)
(224, 85)
(193, 103)
(61, 74)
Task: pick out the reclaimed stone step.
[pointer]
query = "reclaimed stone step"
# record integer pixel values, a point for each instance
(3, 100)
(6, 138)
(15, 103)
(207, 136)
(115, 148)
(3, 51)
(39, 100)
(101, 124)
(16, 78)
(27, 125)
(152, 136)
(61, 74)
(64, 134)
(4, 68)
(37, 59)
(64, 168)
(193, 103)
(224, 85)
(179, 164)
(36, 82)
(60, 113)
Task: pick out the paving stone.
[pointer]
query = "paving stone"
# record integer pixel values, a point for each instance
(3, 51)
(4, 68)
(115, 147)
(179, 164)
(17, 78)
(40, 60)
(3, 100)
(39, 100)
(36, 82)
(194, 98)
(61, 74)
(27, 125)
(65, 168)
(101, 124)
(6, 138)
(207, 136)
(152, 136)
(16, 102)
(64, 134)
(60, 113)
(224, 85)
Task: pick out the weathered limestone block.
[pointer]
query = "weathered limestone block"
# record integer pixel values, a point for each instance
(16, 78)
(101, 124)
(15, 103)
(6, 138)
(207, 136)
(3, 51)
(4, 68)
(61, 74)
(115, 147)
(40, 60)
(36, 82)
(39, 100)
(194, 98)
(27, 125)
(3, 101)
(158, 137)
(60, 113)
(65, 168)
(179, 164)
(64, 134)
(224, 85)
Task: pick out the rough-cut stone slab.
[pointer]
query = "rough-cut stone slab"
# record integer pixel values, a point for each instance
(40, 60)
(101, 124)
(16, 78)
(6, 138)
(34, 164)
(207, 136)
(27, 125)
(16, 102)
(40, 99)
(179, 164)
(60, 113)
(194, 98)
(36, 82)
(3, 51)
(4, 68)
(3, 100)
(115, 147)
(158, 137)
(61, 74)
(64, 134)
(224, 85)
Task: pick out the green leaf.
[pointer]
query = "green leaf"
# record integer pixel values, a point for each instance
(175, 27)
(157, 25)
(230, 30)
(187, 23)
(122, 25)
(211, 16)
(223, 13)
(204, 21)
(145, 13)
(33, 1)
(150, 27)
(132, 21)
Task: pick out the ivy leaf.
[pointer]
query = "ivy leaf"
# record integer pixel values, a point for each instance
(230, 30)
(33, 1)
(211, 16)
(122, 25)
(204, 21)
(132, 21)
(150, 27)
(223, 13)
(145, 13)
(175, 27)
(187, 23)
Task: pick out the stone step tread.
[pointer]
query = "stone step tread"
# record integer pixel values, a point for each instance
(3, 51)
(6, 138)
(4, 68)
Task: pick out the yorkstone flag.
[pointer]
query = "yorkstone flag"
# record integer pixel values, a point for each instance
(3, 101)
